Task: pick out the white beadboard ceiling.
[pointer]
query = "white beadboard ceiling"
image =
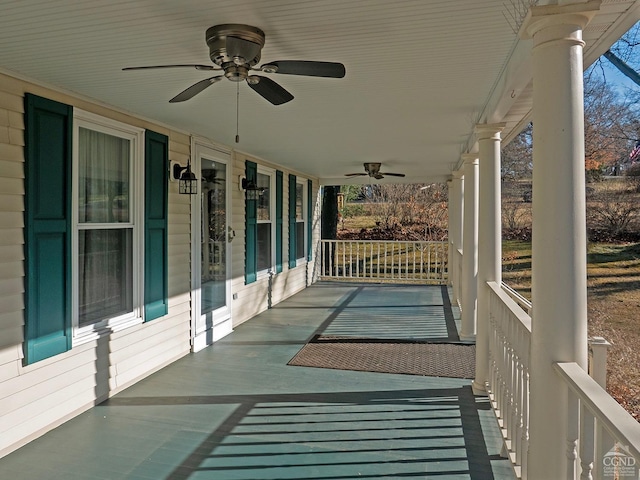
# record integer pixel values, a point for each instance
(420, 73)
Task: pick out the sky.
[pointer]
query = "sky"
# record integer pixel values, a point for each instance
(616, 77)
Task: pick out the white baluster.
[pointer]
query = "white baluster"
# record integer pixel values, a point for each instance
(587, 444)
(573, 408)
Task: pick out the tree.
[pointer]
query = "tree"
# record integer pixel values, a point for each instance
(625, 101)
(516, 159)
(614, 208)
(402, 205)
(610, 127)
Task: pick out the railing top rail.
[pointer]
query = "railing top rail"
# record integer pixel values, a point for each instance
(519, 299)
(522, 316)
(609, 413)
(440, 242)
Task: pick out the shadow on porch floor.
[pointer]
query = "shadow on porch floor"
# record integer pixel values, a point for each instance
(237, 411)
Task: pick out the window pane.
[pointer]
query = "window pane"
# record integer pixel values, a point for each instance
(103, 178)
(264, 209)
(300, 240)
(264, 246)
(105, 274)
(299, 202)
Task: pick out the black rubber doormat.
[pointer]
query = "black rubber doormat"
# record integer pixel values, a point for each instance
(370, 355)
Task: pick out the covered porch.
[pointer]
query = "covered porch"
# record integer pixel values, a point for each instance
(237, 410)
(433, 90)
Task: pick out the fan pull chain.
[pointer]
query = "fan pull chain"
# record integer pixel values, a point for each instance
(237, 112)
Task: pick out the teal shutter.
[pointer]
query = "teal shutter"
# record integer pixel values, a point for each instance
(292, 221)
(156, 192)
(47, 228)
(309, 219)
(251, 228)
(279, 213)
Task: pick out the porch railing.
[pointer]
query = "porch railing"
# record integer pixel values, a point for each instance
(509, 350)
(604, 440)
(516, 297)
(389, 261)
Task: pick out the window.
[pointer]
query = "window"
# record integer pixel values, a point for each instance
(95, 247)
(265, 217)
(107, 237)
(300, 221)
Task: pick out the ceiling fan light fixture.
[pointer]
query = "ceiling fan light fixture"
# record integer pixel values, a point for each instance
(235, 73)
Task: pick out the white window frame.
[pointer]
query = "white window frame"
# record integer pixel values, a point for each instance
(305, 218)
(271, 173)
(135, 135)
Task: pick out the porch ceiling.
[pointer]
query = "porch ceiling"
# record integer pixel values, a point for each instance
(420, 74)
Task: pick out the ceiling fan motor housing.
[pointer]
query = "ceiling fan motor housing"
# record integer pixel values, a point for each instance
(372, 168)
(216, 38)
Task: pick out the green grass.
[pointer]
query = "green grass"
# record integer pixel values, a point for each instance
(607, 253)
(516, 266)
(613, 301)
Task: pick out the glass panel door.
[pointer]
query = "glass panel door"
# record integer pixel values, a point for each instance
(213, 236)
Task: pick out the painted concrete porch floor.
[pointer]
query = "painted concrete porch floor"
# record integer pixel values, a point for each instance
(237, 411)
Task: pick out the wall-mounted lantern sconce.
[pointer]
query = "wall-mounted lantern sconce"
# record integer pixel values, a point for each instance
(188, 182)
(251, 190)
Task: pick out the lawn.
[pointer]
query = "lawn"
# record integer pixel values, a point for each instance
(613, 283)
(613, 295)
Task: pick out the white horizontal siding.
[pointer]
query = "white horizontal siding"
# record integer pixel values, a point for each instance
(8, 370)
(252, 299)
(36, 397)
(11, 233)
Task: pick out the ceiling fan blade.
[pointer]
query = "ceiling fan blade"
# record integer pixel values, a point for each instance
(195, 89)
(393, 174)
(355, 174)
(239, 47)
(270, 90)
(190, 65)
(308, 68)
(378, 176)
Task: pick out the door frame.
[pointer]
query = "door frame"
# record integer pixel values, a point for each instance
(222, 324)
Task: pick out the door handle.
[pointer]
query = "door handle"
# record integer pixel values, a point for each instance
(231, 234)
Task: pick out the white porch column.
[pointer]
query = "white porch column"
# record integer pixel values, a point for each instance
(470, 248)
(489, 240)
(450, 229)
(456, 206)
(559, 292)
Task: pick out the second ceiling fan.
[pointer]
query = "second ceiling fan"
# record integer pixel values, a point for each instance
(373, 170)
(235, 49)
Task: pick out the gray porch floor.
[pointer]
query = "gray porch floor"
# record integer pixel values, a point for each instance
(237, 411)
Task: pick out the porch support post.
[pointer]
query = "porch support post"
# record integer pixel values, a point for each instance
(489, 240)
(455, 234)
(559, 291)
(470, 248)
(450, 228)
(456, 206)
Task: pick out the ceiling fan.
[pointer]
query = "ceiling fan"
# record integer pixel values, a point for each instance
(373, 170)
(235, 49)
